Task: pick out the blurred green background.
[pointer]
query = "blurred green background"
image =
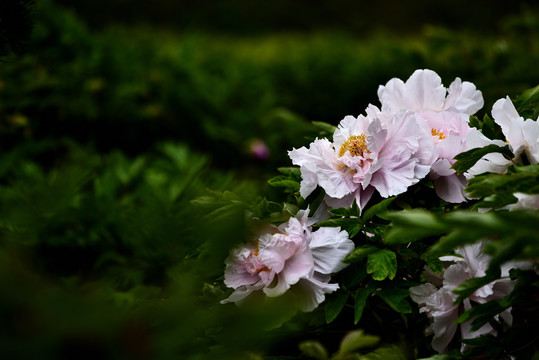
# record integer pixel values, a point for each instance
(120, 114)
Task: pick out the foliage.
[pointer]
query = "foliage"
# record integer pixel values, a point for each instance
(122, 191)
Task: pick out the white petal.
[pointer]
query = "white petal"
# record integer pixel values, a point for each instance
(312, 292)
(463, 97)
(451, 188)
(329, 246)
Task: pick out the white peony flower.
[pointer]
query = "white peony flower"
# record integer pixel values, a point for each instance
(374, 152)
(289, 257)
(444, 113)
(438, 301)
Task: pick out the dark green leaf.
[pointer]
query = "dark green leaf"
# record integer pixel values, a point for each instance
(359, 253)
(284, 182)
(377, 209)
(396, 299)
(342, 222)
(382, 264)
(334, 304)
(290, 171)
(360, 301)
(527, 104)
(468, 158)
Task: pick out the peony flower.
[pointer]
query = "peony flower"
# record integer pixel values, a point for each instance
(290, 257)
(444, 113)
(437, 300)
(374, 152)
(522, 136)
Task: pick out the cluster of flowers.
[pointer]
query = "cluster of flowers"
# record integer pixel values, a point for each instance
(417, 132)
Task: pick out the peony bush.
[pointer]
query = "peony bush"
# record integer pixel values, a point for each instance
(411, 228)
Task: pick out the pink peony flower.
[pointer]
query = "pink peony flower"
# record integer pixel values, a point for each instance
(522, 136)
(444, 113)
(291, 257)
(437, 300)
(374, 152)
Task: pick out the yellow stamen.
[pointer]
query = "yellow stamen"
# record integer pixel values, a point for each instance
(356, 144)
(440, 134)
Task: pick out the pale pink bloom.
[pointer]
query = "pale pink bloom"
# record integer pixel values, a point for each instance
(383, 153)
(437, 300)
(444, 113)
(290, 257)
(521, 135)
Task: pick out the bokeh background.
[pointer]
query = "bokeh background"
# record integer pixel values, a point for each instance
(134, 134)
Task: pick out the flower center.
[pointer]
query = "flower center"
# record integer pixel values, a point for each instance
(439, 134)
(356, 145)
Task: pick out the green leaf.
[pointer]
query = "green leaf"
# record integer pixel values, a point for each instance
(475, 122)
(360, 302)
(468, 158)
(377, 209)
(334, 304)
(518, 179)
(490, 129)
(391, 352)
(359, 253)
(284, 182)
(325, 127)
(357, 340)
(434, 263)
(339, 212)
(527, 104)
(314, 350)
(291, 171)
(413, 225)
(396, 299)
(382, 264)
(341, 222)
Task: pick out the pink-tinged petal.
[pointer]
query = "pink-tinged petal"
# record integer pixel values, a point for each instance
(442, 167)
(280, 287)
(451, 146)
(393, 95)
(395, 180)
(362, 196)
(451, 188)
(425, 91)
(329, 246)
(336, 183)
(463, 97)
(349, 126)
(275, 250)
(320, 156)
(301, 265)
(238, 271)
(312, 292)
